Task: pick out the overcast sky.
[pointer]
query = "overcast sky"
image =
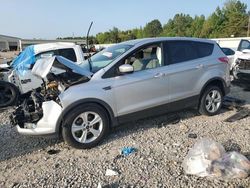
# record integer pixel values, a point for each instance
(49, 19)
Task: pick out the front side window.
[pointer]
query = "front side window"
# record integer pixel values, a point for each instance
(106, 56)
(147, 58)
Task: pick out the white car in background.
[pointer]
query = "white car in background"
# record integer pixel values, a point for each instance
(13, 83)
(240, 60)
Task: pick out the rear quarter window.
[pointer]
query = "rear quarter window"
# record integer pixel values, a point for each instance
(204, 49)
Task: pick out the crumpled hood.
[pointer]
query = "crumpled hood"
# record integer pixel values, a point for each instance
(43, 66)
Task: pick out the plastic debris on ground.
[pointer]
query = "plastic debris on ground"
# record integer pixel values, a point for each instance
(241, 114)
(110, 172)
(232, 103)
(208, 158)
(127, 151)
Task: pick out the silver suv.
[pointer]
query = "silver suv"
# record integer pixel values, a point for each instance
(124, 82)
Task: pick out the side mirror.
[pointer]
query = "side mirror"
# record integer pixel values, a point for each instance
(126, 68)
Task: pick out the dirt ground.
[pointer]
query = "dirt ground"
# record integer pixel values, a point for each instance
(161, 147)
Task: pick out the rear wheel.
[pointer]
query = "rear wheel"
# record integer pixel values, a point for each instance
(85, 126)
(8, 94)
(211, 101)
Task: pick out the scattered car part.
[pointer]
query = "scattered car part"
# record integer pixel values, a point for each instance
(232, 103)
(243, 113)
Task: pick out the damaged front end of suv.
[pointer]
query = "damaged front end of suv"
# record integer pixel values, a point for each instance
(40, 109)
(242, 71)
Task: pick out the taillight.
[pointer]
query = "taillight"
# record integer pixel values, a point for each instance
(223, 59)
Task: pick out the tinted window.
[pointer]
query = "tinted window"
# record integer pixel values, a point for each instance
(204, 49)
(180, 51)
(228, 51)
(68, 53)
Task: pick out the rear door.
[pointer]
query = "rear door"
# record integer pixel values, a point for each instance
(186, 67)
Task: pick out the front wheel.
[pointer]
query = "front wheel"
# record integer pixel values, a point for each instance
(85, 126)
(211, 101)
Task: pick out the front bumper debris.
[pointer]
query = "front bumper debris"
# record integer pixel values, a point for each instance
(35, 124)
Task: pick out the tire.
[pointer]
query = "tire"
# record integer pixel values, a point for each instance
(8, 94)
(79, 130)
(211, 101)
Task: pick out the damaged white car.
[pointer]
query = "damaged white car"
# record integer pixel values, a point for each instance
(16, 78)
(124, 82)
(240, 64)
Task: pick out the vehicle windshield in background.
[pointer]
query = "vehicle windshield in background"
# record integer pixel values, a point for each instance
(244, 44)
(106, 56)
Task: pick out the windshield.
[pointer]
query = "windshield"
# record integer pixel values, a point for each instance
(106, 56)
(244, 44)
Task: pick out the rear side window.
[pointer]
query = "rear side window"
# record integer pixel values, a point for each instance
(180, 51)
(204, 49)
(228, 51)
(68, 53)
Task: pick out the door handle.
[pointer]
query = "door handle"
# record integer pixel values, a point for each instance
(200, 66)
(159, 75)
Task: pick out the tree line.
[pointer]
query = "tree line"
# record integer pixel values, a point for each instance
(229, 21)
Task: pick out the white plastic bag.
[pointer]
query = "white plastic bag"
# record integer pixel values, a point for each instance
(208, 158)
(231, 165)
(199, 158)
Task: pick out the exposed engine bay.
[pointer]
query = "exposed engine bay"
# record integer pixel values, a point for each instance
(30, 111)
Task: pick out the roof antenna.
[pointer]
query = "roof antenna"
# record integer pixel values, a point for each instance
(87, 38)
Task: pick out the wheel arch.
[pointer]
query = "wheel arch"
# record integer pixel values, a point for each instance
(102, 104)
(217, 81)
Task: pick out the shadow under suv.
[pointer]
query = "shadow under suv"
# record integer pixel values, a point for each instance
(124, 82)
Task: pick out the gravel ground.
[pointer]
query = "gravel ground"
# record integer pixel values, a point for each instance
(161, 147)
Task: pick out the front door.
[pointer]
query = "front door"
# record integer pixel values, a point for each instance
(147, 86)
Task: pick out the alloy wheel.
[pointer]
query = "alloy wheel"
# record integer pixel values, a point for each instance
(87, 127)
